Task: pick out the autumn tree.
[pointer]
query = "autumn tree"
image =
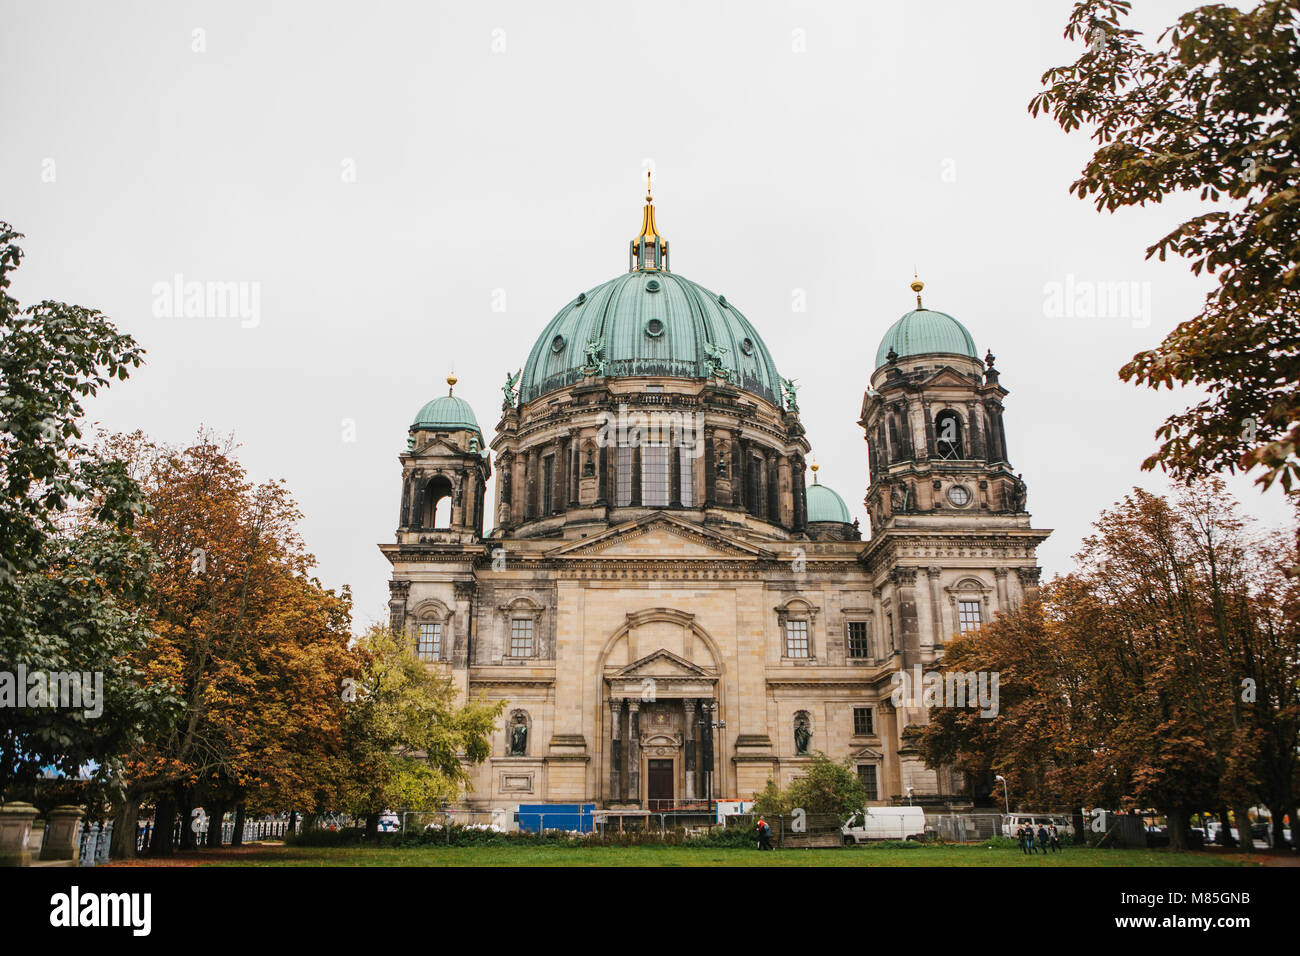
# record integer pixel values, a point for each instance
(1127, 685)
(827, 787)
(1209, 109)
(256, 647)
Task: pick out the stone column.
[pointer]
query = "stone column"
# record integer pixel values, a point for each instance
(61, 833)
(1029, 582)
(634, 751)
(937, 635)
(706, 749)
(615, 749)
(1000, 575)
(15, 830)
(908, 636)
(689, 744)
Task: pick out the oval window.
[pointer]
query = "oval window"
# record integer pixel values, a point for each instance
(558, 343)
(747, 346)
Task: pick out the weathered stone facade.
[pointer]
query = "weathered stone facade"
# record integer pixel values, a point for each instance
(663, 623)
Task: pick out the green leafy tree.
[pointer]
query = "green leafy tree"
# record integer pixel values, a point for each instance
(407, 742)
(828, 787)
(70, 571)
(1209, 109)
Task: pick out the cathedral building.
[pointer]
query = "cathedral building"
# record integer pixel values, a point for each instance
(673, 605)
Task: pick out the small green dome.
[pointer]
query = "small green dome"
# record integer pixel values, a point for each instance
(825, 505)
(650, 323)
(925, 331)
(447, 413)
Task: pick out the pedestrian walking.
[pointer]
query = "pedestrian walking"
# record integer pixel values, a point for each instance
(1020, 838)
(1042, 839)
(764, 835)
(1029, 838)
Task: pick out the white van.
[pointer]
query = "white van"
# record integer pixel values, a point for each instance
(883, 823)
(1013, 822)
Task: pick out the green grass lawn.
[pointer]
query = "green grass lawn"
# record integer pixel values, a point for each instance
(683, 856)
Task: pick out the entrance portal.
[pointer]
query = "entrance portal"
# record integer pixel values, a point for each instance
(659, 786)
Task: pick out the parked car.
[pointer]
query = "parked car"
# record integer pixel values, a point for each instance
(1064, 825)
(883, 823)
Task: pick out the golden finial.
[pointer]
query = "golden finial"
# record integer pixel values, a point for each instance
(917, 286)
(451, 382)
(648, 196)
(814, 466)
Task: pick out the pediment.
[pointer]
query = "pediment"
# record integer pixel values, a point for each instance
(661, 663)
(947, 375)
(867, 753)
(661, 536)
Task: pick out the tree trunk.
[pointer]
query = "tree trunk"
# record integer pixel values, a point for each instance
(185, 802)
(164, 820)
(1241, 815)
(215, 819)
(125, 824)
(1225, 829)
(1177, 819)
(372, 826)
(293, 823)
(1278, 839)
(237, 837)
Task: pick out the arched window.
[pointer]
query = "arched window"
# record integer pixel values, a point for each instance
(947, 434)
(437, 502)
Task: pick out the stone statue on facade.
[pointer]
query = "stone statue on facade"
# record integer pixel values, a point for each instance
(1017, 496)
(713, 357)
(511, 390)
(788, 390)
(519, 737)
(802, 736)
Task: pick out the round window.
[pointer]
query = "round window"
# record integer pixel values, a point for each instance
(652, 285)
(557, 344)
(959, 496)
(747, 346)
(654, 328)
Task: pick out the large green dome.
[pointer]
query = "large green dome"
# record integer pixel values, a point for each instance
(825, 505)
(924, 332)
(650, 323)
(447, 413)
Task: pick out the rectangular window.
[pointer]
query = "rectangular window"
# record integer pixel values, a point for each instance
(796, 638)
(428, 645)
(548, 484)
(688, 478)
(867, 776)
(859, 639)
(623, 495)
(968, 615)
(863, 721)
(655, 476)
(521, 637)
(892, 646)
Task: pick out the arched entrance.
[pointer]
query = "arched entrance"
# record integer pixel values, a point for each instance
(661, 710)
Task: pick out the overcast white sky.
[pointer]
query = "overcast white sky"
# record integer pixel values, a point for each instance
(819, 150)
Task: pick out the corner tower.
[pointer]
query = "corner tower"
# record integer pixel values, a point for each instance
(951, 542)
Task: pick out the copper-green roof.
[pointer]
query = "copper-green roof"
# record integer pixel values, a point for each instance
(924, 332)
(649, 323)
(825, 505)
(447, 413)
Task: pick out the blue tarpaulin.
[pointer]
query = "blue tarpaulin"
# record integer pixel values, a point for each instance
(535, 817)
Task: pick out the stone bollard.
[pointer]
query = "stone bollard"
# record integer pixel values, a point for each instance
(61, 834)
(15, 831)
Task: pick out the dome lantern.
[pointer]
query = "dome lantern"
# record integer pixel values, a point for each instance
(649, 250)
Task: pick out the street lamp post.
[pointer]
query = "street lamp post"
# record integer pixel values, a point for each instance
(1005, 797)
